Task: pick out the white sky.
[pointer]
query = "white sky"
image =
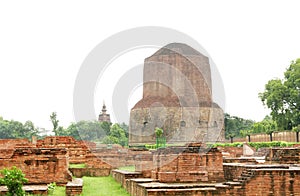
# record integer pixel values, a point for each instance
(43, 44)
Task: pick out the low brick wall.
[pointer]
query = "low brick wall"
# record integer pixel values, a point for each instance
(284, 155)
(232, 151)
(75, 187)
(30, 189)
(121, 176)
(233, 171)
(131, 185)
(274, 182)
(93, 172)
(175, 189)
(188, 164)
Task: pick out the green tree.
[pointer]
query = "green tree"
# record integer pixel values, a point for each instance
(54, 121)
(234, 124)
(13, 179)
(15, 129)
(283, 97)
(106, 127)
(117, 136)
(125, 127)
(267, 125)
(231, 136)
(88, 130)
(247, 133)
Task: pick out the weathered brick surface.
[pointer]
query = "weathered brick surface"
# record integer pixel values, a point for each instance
(177, 96)
(40, 165)
(29, 189)
(284, 155)
(94, 172)
(188, 164)
(74, 188)
(77, 149)
(274, 182)
(122, 176)
(231, 151)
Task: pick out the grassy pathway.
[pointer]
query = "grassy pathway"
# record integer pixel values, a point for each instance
(97, 186)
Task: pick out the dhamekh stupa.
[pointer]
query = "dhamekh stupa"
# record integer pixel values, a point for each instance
(177, 97)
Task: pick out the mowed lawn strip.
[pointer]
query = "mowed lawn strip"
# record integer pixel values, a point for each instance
(106, 186)
(97, 186)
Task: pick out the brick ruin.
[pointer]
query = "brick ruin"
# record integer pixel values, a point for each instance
(177, 96)
(188, 164)
(195, 170)
(181, 170)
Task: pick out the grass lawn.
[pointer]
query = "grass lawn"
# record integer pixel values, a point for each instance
(97, 186)
(127, 168)
(80, 165)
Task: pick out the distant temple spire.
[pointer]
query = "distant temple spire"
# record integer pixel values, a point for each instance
(104, 117)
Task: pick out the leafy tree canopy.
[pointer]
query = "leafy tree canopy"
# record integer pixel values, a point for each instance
(234, 125)
(14, 129)
(283, 97)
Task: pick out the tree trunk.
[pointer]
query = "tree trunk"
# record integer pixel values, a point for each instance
(297, 136)
(271, 138)
(249, 139)
(231, 139)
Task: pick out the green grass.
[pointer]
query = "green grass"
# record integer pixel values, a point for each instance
(81, 165)
(127, 168)
(59, 191)
(102, 186)
(97, 186)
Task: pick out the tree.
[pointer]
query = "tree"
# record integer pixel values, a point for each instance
(54, 120)
(231, 136)
(234, 124)
(15, 129)
(125, 127)
(14, 179)
(105, 126)
(29, 130)
(283, 97)
(247, 133)
(117, 136)
(267, 125)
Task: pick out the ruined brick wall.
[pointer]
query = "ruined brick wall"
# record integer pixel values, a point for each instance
(274, 182)
(13, 143)
(190, 164)
(77, 149)
(231, 151)
(40, 165)
(122, 157)
(284, 155)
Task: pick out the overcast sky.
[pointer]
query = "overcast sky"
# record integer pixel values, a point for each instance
(43, 44)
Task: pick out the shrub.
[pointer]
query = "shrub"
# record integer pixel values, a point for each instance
(13, 179)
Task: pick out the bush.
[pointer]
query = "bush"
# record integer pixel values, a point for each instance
(51, 188)
(13, 179)
(255, 145)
